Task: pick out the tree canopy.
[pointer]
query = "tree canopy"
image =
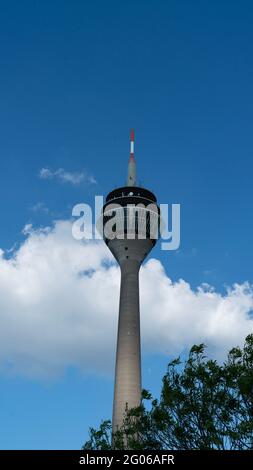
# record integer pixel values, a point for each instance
(204, 405)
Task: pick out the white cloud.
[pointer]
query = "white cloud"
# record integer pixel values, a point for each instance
(59, 305)
(64, 176)
(40, 207)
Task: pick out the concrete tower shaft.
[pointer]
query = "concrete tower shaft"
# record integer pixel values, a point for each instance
(127, 390)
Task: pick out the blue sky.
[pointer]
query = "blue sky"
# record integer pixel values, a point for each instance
(75, 77)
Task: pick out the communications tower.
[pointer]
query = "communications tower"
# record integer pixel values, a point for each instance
(130, 230)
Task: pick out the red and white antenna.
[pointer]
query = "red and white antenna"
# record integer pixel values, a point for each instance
(131, 180)
(132, 143)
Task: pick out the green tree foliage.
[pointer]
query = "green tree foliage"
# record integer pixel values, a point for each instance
(203, 405)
